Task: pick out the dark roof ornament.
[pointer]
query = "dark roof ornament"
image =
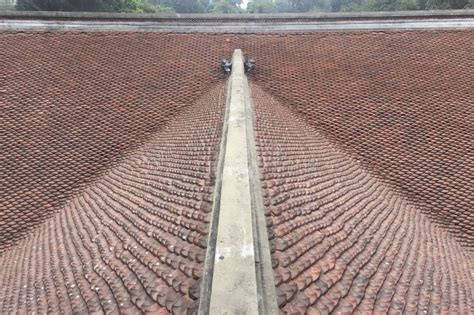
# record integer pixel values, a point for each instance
(249, 64)
(226, 66)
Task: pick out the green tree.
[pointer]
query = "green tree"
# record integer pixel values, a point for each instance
(282, 6)
(302, 5)
(185, 6)
(7, 7)
(446, 4)
(91, 5)
(226, 6)
(261, 6)
(382, 5)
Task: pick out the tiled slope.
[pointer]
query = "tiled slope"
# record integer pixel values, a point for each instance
(401, 102)
(72, 103)
(132, 241)
(343, 241)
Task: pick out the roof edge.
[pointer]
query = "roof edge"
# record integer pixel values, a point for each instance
(316, 16)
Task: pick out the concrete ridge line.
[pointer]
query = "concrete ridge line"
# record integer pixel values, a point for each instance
(245, 16)
(206, 282)
(230, 284)
(234, 282)
(234, 27)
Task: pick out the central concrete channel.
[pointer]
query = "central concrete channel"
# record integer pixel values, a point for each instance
(238, 276)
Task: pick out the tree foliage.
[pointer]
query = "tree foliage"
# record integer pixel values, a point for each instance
(185, 6)
(140, 6)
(234, 6)
(369, 5)
(302, 5)
(226, 6)
(444, 4)
(261, 6)
(381, 5)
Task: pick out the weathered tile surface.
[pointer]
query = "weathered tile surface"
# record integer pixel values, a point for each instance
(342, 240)
(75, 103)
(135, 239)
(108, 144)
(400, 102)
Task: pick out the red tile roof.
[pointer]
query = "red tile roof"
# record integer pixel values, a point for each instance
(74, 103)
(109, 149)
(400, 102)
(342, 240)
(135, 239)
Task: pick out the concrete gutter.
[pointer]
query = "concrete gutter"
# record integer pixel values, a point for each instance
(238, 275)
